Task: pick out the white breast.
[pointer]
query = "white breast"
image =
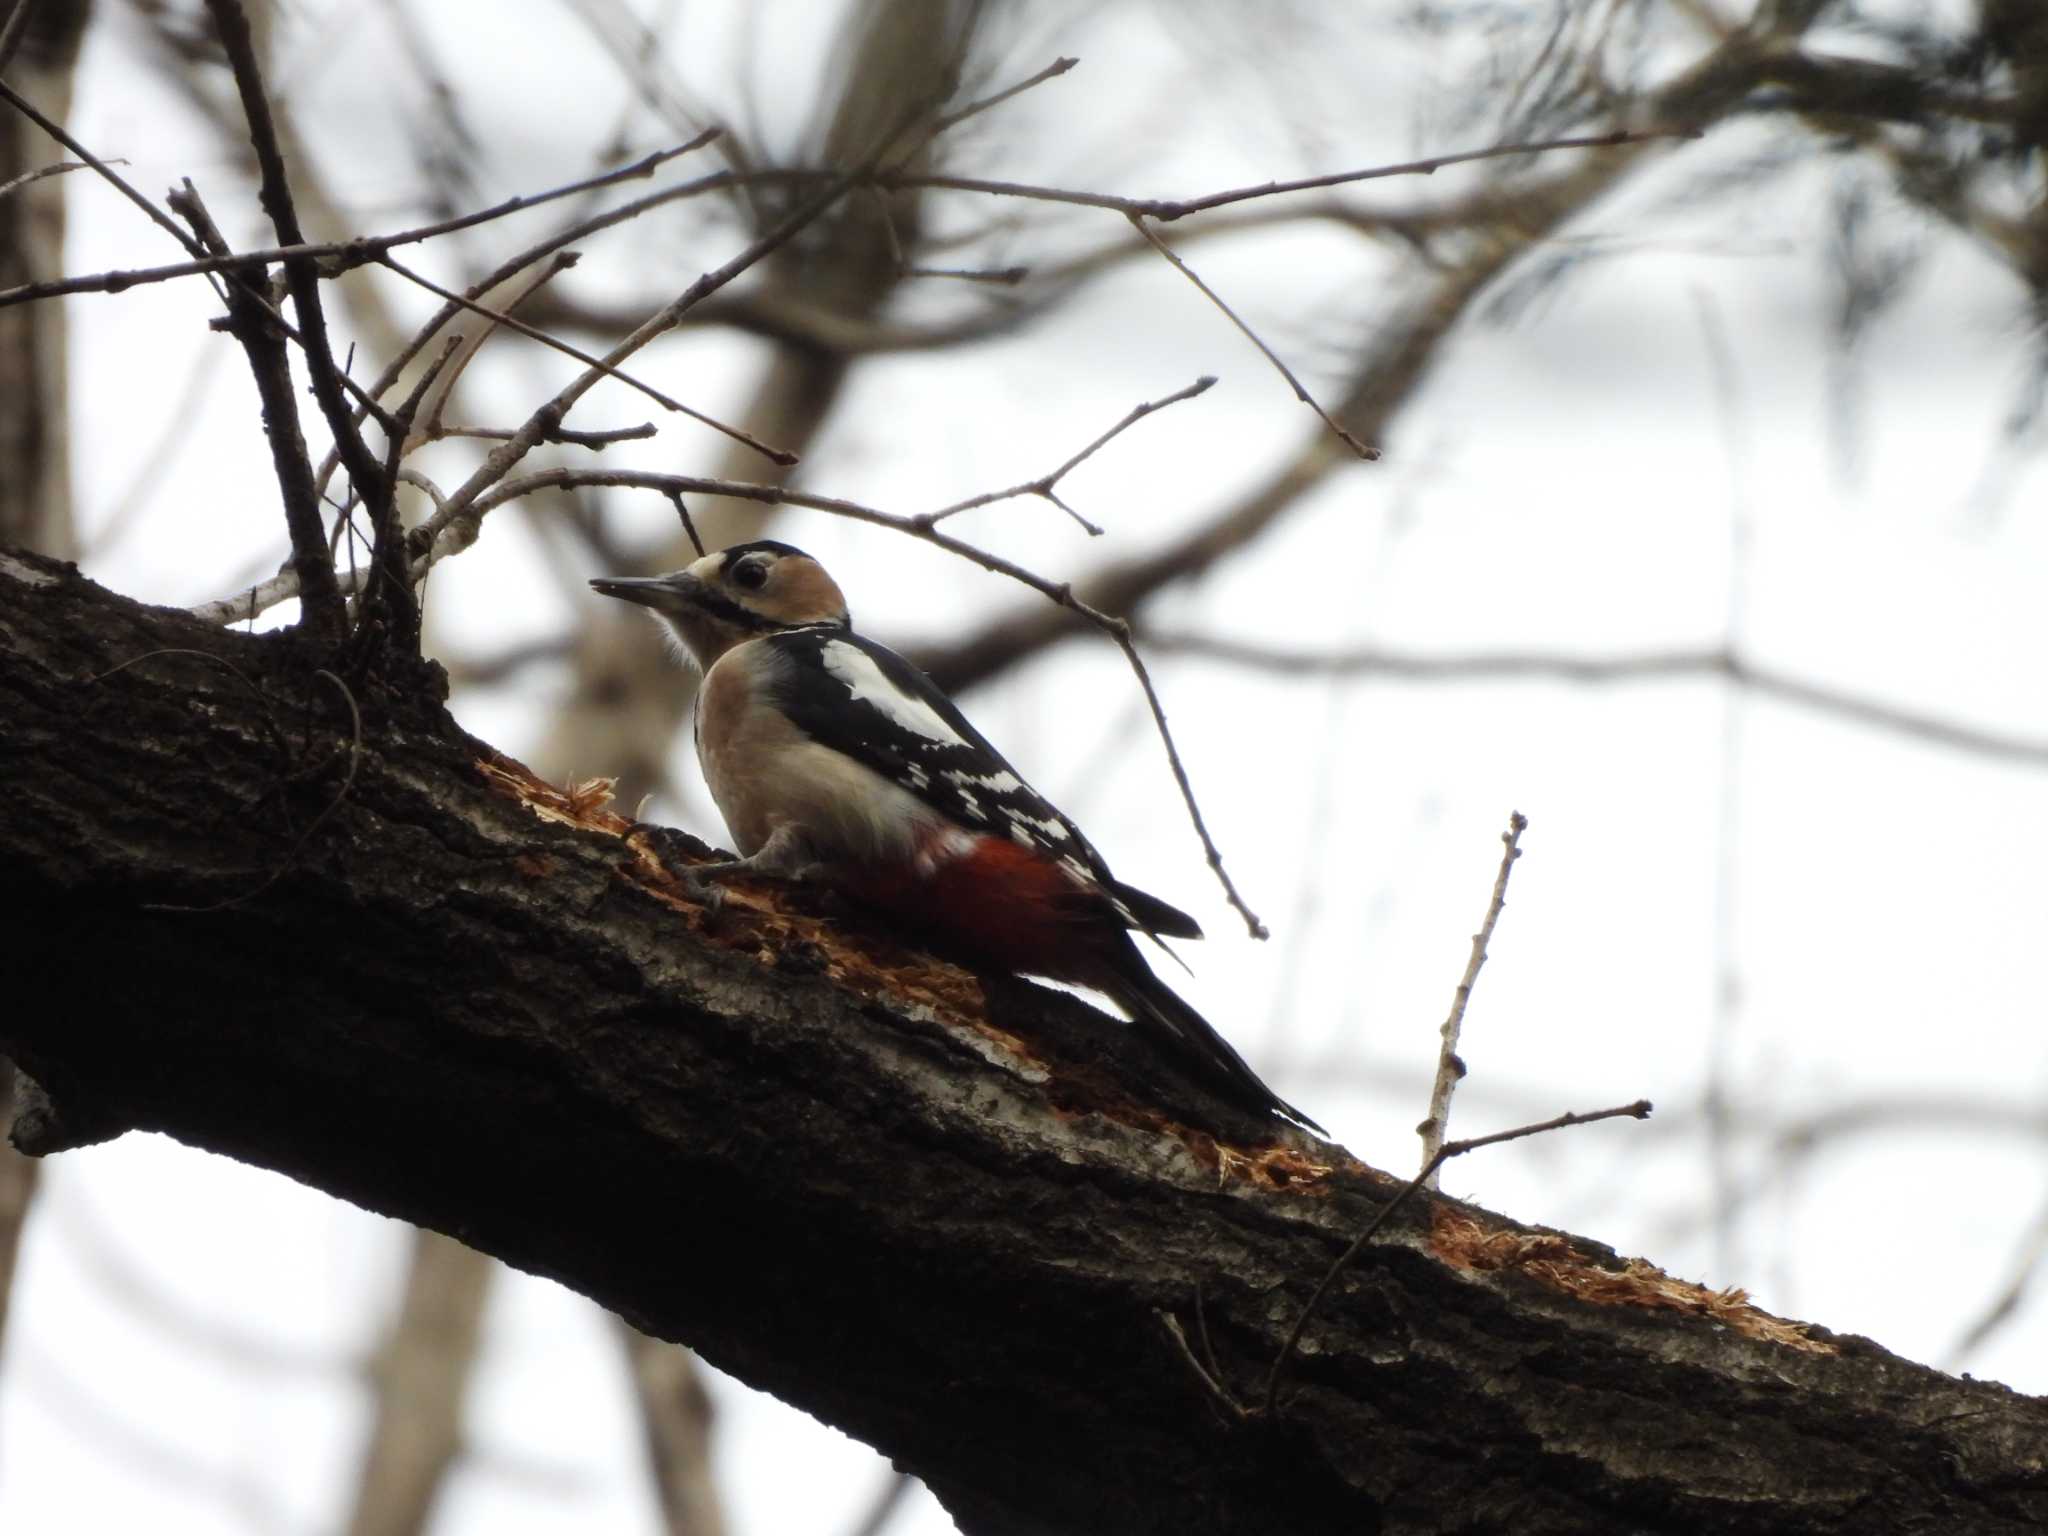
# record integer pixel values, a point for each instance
(763, 772)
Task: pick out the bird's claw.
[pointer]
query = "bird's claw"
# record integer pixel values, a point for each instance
(703, 890)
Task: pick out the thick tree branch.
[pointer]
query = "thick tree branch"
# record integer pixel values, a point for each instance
(962, 1219)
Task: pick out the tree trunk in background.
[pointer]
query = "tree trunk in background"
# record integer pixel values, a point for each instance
(676, 1412)
(420, 1376)
(35, 451)
(35, 470)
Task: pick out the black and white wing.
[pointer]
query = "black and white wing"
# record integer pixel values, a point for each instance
(859, 698)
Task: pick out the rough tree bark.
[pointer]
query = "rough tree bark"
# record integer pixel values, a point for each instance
(934, 1210)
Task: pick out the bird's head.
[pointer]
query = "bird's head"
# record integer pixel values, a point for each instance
(736, 595)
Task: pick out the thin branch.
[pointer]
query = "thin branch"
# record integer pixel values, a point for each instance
(1166, 210)
(250, 323)
(106, 171)
(231, 23)
(1857, 709)
(1120, 631)
(473, 344)
(1450, 1067)
(15, 184)
(1044, 485)
(419, 481)
(1219, 1394)
(389, 595)
(574, 437)
(1363, 450)
(1639, 1110)
(689, 526)
(510, 322)
(1051, 71)
(338, 256)
(456, 525)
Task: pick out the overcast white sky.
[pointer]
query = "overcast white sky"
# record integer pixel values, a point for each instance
(1849, 921)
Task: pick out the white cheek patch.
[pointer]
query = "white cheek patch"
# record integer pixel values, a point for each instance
(864, 680)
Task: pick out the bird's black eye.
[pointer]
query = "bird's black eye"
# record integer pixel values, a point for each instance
(751, 574)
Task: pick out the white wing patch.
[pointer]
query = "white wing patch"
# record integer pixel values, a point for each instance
(997, 783)
(1040, 826)
(864, 680)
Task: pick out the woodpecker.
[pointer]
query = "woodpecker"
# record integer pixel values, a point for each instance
(833, 759)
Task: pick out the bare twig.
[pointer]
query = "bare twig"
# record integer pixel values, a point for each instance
(249, 321)
(338, 256)
(419, 481)
(1639, 1110)
(389, 595)
(1363, 450)
(575, 437)
(1646, 666)
(1120, 631)
(457, 523)
(1219, 1394)
(106, 171)
(689, 527)
(473, 343)
(1166, 210)
(343, 254)
(1044, 485)
(302, 275)
(510, 322)
(16, 183)
(1450, 1066)
(1051, 71)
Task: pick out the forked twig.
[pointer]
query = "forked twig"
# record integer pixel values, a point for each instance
(1344, 435)
(337, 256)
(1044, 485)
(1639, 1110)
(1450, 1066)
(511, 322)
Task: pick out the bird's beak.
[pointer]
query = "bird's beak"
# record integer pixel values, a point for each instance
(648, 591)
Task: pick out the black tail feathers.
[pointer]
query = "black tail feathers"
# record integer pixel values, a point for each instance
(1199, 1047)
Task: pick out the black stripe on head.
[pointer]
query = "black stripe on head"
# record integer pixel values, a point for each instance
(718, 605)
(734, 552)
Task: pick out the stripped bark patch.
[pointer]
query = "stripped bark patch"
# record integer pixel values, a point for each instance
(1464, 1243)
(761, 920)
